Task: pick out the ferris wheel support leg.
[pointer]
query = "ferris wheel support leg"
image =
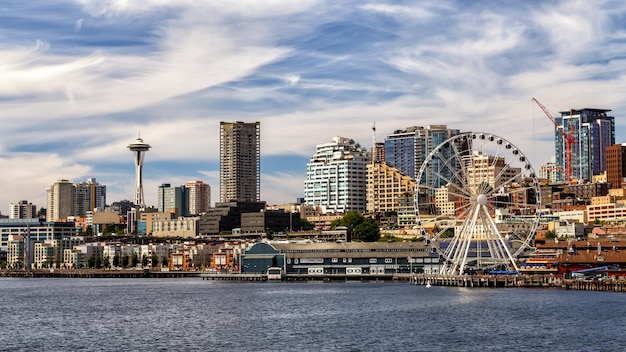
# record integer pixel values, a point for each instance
(503, 245)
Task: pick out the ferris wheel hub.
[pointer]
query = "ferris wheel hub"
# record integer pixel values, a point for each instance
(481, 199)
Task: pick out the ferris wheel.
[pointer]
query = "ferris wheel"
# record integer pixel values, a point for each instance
(478, 203)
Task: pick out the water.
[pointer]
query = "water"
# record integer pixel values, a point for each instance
(195, 315)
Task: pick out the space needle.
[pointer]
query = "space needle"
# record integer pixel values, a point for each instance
(139, 149)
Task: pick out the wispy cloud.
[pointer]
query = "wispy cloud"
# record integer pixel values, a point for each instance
(78, 85)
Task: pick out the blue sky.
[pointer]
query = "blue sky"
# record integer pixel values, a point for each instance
(79, 80)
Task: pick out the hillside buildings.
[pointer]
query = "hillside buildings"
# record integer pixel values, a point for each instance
(240, 156)
(336, 177)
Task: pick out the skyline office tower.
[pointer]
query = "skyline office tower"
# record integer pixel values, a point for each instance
(139, 149)
(407, 149)
(593, 131)
(240, 161)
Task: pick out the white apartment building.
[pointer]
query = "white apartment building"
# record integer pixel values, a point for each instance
(336, 177)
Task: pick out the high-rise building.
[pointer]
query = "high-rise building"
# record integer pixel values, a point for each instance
(616, 165)
(139, 149)
(60, 200)
(172, 198)
(407, 149)
(199, 194)
(240, 161)
(336, 177)
(22, 210)
(593, 131)
(89, 196)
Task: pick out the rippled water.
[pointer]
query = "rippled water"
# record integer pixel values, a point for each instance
(195, 315)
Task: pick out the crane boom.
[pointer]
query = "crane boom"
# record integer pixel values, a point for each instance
(567, 137)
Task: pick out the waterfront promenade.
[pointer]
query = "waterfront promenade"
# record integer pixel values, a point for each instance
(98, 273)
(611, 284)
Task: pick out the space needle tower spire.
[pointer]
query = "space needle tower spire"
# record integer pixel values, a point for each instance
(139, 149)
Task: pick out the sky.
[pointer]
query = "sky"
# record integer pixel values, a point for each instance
(82, 79)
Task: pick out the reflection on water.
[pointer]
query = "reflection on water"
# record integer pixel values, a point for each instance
(195, 315)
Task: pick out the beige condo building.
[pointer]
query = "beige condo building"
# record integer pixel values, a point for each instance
(386, 187)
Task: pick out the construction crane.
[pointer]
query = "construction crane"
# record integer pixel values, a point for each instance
(568, 138)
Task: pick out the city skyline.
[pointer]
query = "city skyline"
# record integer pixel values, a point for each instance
(80, 78)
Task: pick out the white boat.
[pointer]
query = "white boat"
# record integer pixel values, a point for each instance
(428, 283)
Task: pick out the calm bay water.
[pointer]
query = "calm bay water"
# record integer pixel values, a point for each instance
(195, 315)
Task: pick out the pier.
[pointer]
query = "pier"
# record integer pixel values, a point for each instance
(487, 280)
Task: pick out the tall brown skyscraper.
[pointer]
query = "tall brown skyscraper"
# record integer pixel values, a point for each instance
(240, 156)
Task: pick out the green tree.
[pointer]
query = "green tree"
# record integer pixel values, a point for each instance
(144, 260)
(306, 225)
(116, 260)
(367, 231)
(125, 260)
(360, 227)
(164, 262)
(134, 260)
(89, 231)
(154, 260)
(98, 262)
(108, 229)
(106, 262)
(91, 262)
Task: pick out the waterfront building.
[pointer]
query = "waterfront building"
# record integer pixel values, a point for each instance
(345, 258)
(139, 149)
(172, 198)
(44, 255)
(16, 252)
(593, 131)
(240, 157)
(407, 149)
(199, 195)
(616, 165)
(60, 200)
(385, 187)
(336, 177)
(89, 196)
(22, 210)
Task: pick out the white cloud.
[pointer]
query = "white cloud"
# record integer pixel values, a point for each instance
(26, 176)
